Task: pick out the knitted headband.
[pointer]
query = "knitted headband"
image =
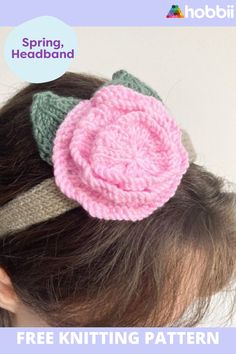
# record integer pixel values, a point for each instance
(119, 155)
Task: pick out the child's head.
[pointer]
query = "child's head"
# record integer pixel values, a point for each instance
(133, 265)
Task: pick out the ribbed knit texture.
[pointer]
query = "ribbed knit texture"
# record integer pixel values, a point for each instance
(47, 112)
(45, 201)
(119, 154)
(187, 143)
(41, 203)
(126, 79)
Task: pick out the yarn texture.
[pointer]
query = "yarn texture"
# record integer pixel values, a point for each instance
(126, 79)
(119, 154)
(39, 204)
(47, 112)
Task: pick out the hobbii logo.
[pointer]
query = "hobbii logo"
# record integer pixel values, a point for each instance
(202, 12)
(209, 12)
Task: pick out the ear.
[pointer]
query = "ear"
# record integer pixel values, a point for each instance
(8, 298)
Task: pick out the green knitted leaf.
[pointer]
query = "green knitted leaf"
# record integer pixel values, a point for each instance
(48, 110)
(122, 77)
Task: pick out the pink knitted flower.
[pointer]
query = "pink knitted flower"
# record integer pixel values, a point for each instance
(119, 154)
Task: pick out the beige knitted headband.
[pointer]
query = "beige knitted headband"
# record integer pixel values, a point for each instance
(45, 201)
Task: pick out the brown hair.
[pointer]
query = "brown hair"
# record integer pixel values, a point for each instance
(75, 270)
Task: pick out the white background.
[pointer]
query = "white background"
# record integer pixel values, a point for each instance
(193, 70)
